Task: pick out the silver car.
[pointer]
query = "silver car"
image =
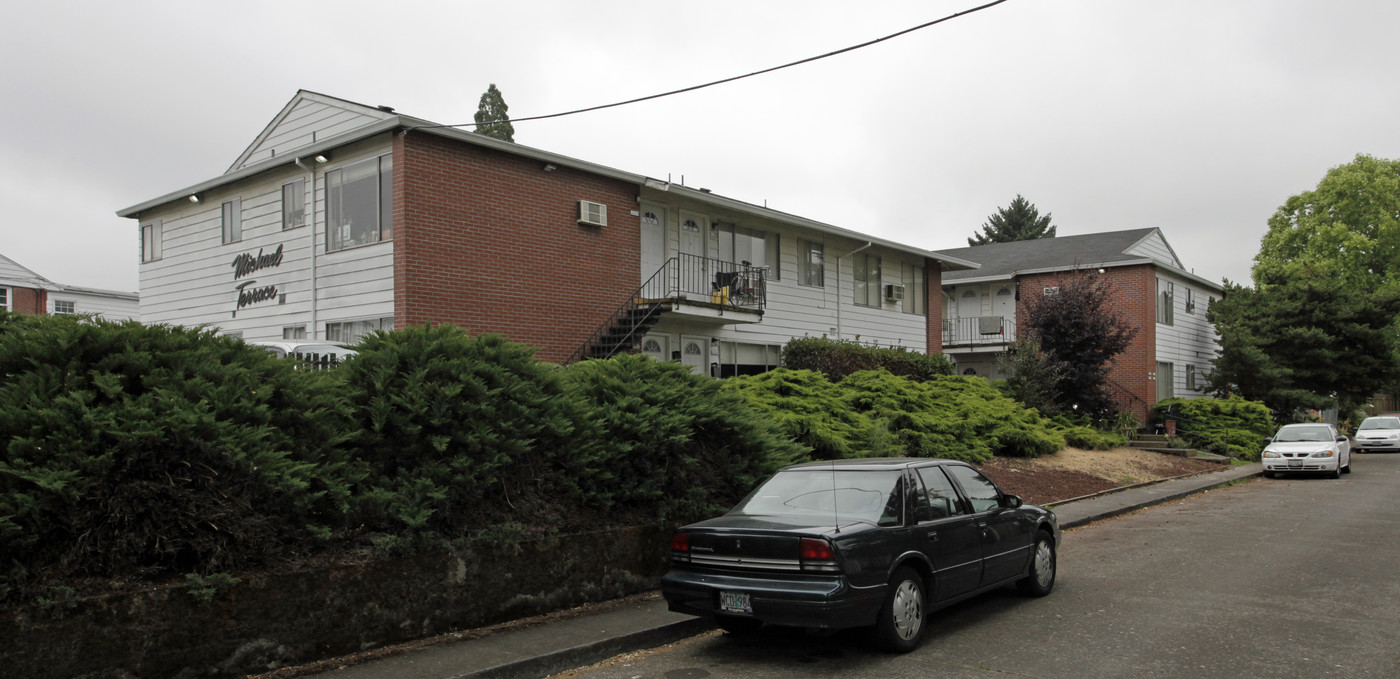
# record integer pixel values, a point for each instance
(1379, 434)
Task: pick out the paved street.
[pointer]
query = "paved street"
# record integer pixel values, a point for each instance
(1286, 577)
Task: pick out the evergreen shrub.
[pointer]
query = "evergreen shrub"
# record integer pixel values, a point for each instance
(876, 413)
(134, 450)
(1233, 426)
(838, 358)
(458, 431)
(672, 444)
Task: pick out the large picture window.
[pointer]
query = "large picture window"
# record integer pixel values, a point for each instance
(360, 203)
(741, 244)
(811, 264)
(865, 269)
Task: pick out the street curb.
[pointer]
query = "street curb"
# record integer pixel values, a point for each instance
(587, 654)
(1187, 492)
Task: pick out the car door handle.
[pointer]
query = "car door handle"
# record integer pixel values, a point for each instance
(933, 536)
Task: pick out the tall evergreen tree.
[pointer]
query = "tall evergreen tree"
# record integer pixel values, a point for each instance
(1018, 221)
(492, 119)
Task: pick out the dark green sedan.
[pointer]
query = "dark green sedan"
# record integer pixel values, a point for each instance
(875, 543)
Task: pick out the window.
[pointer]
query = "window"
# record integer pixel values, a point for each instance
(1191, 378)
(360, 203)
(350, 332)
(4, 299)
(236, 334)
(915, 292)
(749, 246)
(233, 221)
(64, 307)
(294, 332)
(1190, 302)
(866, 272)
(1052, 290)
(294, 204)
(740, 358)
(1165, 382)
(150, 241)
(1166, 298)
(942, 499)
(811, 264)
(980, 492)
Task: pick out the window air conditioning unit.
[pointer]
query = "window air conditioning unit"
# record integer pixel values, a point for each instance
(592, 214)
(894, 293)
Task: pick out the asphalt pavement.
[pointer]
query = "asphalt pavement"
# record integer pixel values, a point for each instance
(536, 650)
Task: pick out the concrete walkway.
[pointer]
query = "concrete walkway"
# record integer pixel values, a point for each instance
(641, 623)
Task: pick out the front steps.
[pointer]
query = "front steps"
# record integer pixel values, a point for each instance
(1158, 443)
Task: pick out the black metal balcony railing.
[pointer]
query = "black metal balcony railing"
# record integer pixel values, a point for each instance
(978, 330)
(684, 278)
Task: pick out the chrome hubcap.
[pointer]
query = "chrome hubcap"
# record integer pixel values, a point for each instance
(908, 610)
(1044, 564)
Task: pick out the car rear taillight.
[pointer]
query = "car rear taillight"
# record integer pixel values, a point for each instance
(680, 547)
(817, 555)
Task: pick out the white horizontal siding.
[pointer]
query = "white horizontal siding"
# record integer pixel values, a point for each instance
(1155, 247)
(1190, 339)
(194, 285)
(309, 121)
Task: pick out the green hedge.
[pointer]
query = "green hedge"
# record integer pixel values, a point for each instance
(131, 449)
(838, 358)
(1231, 426)
(874, 413)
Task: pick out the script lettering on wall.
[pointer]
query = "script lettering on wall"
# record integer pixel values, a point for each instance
(248, 291)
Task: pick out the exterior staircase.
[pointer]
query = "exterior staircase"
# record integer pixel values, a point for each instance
(624, 332)
(1158, 443)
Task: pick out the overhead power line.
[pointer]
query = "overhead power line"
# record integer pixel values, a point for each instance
(737, 77)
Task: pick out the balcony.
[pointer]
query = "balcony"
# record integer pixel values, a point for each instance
(978, 332)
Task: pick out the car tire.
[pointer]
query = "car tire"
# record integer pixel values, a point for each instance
(902, 619)
(1336, 473)
(739, 627)
(1042, 576)
(1347, 469)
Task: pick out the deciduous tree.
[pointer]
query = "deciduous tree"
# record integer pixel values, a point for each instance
(1080, 334)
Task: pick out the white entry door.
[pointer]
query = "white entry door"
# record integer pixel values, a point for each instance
(695, 269)
(657, 347)
(695, 352)
(653, 243)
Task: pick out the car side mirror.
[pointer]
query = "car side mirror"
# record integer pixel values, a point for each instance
(1011, 501)
(1341, 439)
(1268, 441)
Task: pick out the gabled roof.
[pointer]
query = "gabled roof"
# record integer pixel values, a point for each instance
(285, 141)
(307, 115)
(1004, 261)
(13, 274)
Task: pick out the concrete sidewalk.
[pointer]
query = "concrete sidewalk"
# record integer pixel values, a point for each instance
(643, 622)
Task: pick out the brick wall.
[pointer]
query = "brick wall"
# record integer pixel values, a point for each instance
(1134, 296)
(490, 241)
(29, 301)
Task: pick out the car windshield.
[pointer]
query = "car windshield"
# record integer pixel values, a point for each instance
(872, 496)
(1302, 434)
(1380, 423)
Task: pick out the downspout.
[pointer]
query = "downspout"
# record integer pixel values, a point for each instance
(315, 333)
(838, 284)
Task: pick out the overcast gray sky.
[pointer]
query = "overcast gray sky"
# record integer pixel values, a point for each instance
(1196, 116)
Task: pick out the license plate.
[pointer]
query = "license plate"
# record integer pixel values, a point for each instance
(1295, 463)
(734, 602)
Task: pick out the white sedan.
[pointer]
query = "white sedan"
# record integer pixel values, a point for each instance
(1308, 448)
(1380, 433)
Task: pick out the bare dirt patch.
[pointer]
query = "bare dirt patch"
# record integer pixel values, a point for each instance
(1072, 472)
